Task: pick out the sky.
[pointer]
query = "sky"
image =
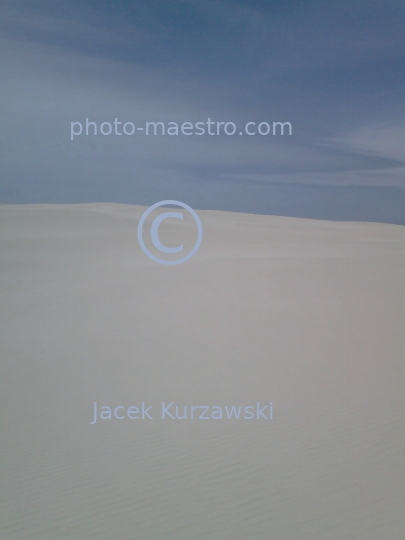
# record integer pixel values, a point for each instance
(334, 70)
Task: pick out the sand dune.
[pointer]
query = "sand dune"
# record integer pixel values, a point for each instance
(308, 315)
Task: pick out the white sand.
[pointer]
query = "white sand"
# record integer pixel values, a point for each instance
(307, 314)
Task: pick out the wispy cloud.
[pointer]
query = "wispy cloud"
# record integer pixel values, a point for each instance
(331, 69)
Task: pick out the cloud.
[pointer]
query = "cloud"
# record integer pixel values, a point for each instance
(328, 68)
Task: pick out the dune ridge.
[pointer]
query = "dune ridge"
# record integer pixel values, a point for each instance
(307, 314)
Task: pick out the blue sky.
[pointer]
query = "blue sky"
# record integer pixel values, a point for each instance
(335, 70)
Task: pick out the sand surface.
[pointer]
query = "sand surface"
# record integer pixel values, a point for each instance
(309, 315)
